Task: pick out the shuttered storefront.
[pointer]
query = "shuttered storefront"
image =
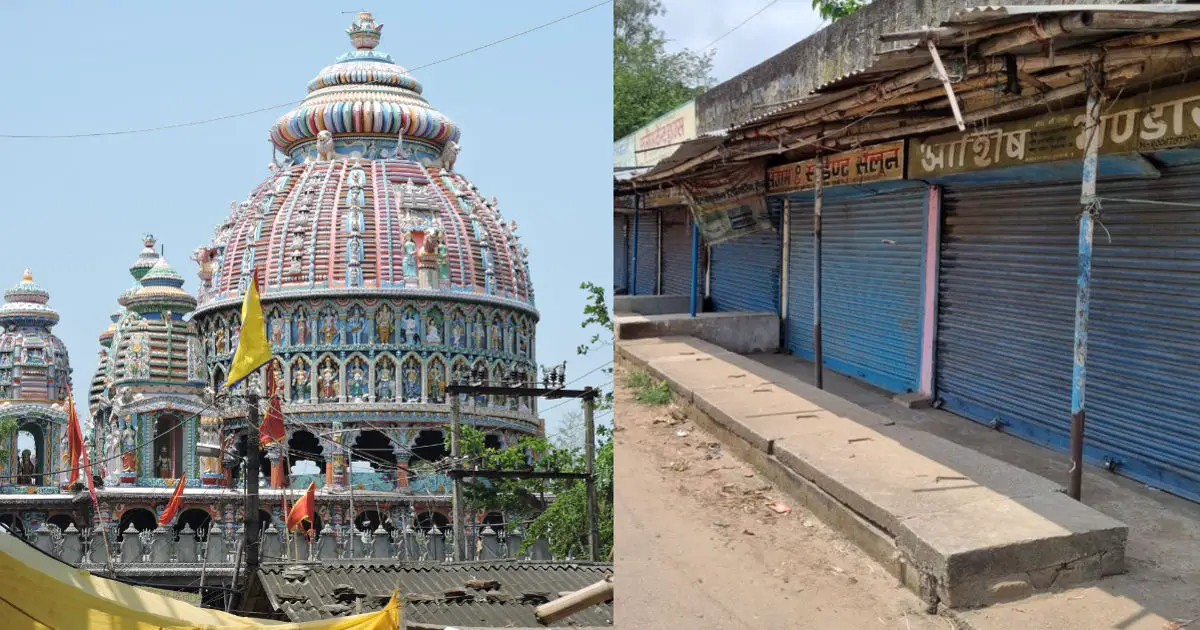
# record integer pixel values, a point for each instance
(871, 286)
(1006, 321)
(744, 272)
(1143, 387)
(620, 254)
(677, 253)
(647, 252)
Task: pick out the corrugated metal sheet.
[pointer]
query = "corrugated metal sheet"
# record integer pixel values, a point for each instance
(425, 587)
(871, 287)
(1006, 307)
(647, 254)
(1007, 320)
(800, 276)
(620, 253)
(677, 253)
(745, 272)
(1144, 339)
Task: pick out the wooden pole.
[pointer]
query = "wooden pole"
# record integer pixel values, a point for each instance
(941, 72)
(593, 506)
(250, 519)
(460, 512)
(818, 351)
(582, 599)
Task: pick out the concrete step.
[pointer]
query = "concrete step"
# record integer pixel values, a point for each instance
(959, 528)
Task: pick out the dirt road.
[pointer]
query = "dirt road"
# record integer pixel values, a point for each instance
(698, 547)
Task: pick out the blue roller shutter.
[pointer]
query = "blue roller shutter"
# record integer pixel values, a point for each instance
(647, 253)
(800, 277)
(744, 272)
(677, 253)
(1006, 307)
(1143, 388)
(620, 254)
(871, 264)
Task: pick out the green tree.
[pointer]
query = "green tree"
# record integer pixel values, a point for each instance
(834, 10)
(564, 524)
(596, 315)
(648, 81)
(8, 427)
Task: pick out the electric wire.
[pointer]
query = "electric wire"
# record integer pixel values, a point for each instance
(194, 123)
(740, 25)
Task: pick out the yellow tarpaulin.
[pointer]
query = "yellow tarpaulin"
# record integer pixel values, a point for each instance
(39, 592)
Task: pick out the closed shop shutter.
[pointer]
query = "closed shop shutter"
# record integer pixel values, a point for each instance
(744, 272)
(1006, 307)
(871, 286)
(1143, 386)
(620, 254)
(677, 253)
(647, 253)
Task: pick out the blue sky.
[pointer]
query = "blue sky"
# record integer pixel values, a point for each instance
(535, 113)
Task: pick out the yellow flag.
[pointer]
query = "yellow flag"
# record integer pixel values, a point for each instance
(253, 350)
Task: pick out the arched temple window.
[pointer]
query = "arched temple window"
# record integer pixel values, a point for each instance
(305, 454)
(429, 519)
(374, 448)
(430, 446)
(142, 519)
(168, 447)
(30, 457)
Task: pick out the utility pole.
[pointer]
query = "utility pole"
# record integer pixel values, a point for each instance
(250, 520)
(818, 350)
(593, 507)
(460, 510)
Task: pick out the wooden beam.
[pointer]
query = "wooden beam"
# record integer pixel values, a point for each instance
(941, 71)
(582, 599)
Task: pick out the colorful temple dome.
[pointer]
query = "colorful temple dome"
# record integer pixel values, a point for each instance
(34, 365)
(376, 208)
(364, 93)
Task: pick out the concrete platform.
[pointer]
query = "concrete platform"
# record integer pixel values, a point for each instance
(961, 529)
(652, 304)
(737, 332)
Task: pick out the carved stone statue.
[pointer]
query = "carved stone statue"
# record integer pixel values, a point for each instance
(163, 463)
(129, 458)
(383, 324)
(410, 329)
(324, 145)
(410, 256)
(433, 334)
(25, 469)
(449, 156)
(383, 386)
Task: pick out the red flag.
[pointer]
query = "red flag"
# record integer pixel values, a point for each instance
(304, 509)
(74, 440)
(272, 429)
(168, 515)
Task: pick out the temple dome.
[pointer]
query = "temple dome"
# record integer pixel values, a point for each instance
(364, 93)
(378, 212)
(34, 365)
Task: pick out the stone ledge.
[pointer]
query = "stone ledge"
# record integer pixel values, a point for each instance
(737, 332)
(910, 492)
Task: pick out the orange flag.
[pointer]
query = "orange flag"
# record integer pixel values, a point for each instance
(304, 509)
(168, 515)
(74, 440)
(272, 429)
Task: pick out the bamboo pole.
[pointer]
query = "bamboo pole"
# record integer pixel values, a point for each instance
(582, 599)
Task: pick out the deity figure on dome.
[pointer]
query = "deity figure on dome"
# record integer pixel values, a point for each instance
(410, 256)
(383, 324)
(356, 327)
(301, 384)
(443, 264)
(220, 340)
(329, 382)
(129, 456)
(433, 335)
(279, 326)
(354, 250)
(496, 333)
(522, 344)
(410, 328)
(209, 465)
(329, 327)
(412, 382)
(458, 333)
(384, 390)
(301, 328)
(235, 335)
(437, 382)
(358, 383)
(26, 469)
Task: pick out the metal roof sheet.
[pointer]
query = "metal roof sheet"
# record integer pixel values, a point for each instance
(424, 586)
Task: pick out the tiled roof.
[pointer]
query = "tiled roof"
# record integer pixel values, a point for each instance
(435, 594)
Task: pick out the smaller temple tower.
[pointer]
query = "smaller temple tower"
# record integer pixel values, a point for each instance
(150, 381)
(35, 376)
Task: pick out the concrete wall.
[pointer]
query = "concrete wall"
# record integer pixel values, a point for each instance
(652, 304)
(737, 332)
(843, 47)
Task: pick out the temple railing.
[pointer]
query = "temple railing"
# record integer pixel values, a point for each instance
(214, 549)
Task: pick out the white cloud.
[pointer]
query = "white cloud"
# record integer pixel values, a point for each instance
(694, 24)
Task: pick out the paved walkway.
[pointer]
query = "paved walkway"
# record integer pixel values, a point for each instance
(1161, 588)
